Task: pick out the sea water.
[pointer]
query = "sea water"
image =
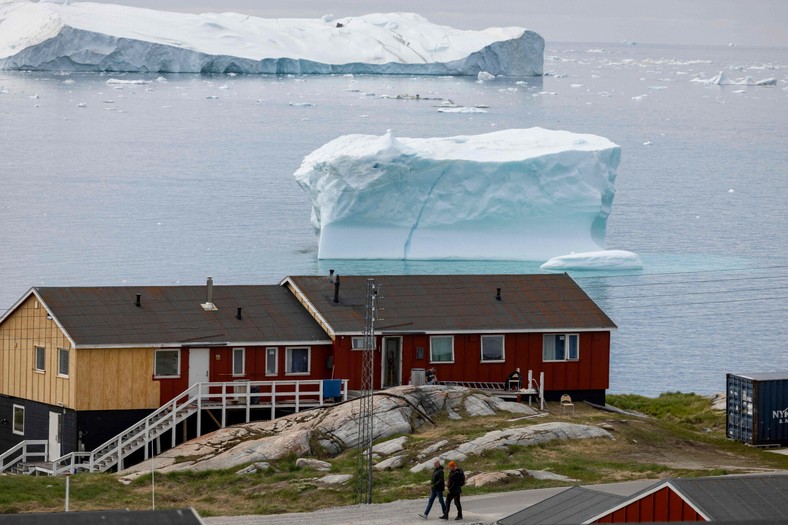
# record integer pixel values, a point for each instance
(186, 176)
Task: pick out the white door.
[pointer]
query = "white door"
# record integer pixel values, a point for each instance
(55, 427)
(199, 360)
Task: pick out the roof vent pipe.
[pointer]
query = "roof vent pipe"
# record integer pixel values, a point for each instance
(336, 289)
(497, 294)
(138, 301)
(238, 315)
(208, 306)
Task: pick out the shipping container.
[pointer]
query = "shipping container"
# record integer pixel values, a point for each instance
(757, 408)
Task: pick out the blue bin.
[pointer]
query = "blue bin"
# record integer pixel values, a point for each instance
(332, 388)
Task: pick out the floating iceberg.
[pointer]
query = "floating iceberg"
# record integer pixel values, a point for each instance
(721, 79)
(519, 194)
(103, 37)
(599, 260)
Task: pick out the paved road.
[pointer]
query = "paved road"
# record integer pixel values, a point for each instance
(483, 510)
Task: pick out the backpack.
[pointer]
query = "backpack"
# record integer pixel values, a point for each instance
(460, 477)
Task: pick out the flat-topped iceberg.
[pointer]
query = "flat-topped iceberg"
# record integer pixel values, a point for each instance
(518, 194)
(599, 260)
(87, 36)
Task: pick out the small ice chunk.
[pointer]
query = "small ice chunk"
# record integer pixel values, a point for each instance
(599, 260)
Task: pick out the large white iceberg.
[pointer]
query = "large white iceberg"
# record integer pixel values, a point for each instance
(519, 194)
(87, 36)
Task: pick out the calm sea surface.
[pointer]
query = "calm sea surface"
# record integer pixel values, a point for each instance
(190, 176)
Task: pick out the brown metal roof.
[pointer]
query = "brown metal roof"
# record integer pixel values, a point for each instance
(456, 303)
(174, 315)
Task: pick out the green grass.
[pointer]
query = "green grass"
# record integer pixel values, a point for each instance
(681, 433)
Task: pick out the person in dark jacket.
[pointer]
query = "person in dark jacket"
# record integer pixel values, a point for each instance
(438, 486)
(455, 489)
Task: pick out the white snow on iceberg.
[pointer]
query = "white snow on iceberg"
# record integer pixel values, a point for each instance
(519, 194)
(599, 260)
(88, 36)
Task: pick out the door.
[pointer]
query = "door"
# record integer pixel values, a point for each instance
(391, 365)
(199, 361)
(55, 433)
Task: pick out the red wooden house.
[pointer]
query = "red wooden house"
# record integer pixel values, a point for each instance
(724, 499)
(468, 327)
(78, 365)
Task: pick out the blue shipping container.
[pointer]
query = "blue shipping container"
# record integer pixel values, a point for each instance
(757, 408)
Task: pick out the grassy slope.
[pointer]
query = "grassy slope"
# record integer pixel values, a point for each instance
(683, 437)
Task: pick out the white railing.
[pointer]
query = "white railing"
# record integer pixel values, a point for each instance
(31, 449)
(234, 395)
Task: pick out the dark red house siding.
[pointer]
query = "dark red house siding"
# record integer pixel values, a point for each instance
(663, 505)
(522, 350)
(220, 367)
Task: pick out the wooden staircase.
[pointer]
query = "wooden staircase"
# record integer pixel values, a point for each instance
(30, 456)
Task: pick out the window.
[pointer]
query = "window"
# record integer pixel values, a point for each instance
(357, 343)
(271, 361)
(19, 420)
(238, 361)
(492, 348)
(41, 359)
(297, 361)
(167, 363)
(62, 361)
(560, 347)
(441, 349)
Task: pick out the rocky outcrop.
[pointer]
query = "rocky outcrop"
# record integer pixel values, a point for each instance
(398, 411)
(332, 430)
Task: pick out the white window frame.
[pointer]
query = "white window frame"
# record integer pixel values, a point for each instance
(503, 349)
(155, 360)
(432, 338)
(289, 360)
(566, 348)
(357, 343)
(242, 352)
(14, 410)
(275, 371)
(62, 357)
(43, 364)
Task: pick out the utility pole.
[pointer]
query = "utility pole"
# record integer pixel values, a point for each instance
(365, 411)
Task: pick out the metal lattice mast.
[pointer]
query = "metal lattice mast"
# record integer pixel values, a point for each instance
(365, 412)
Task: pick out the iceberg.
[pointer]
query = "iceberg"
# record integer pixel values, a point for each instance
(518, 194)
(84, 36)
(721, 79)
(599, 260)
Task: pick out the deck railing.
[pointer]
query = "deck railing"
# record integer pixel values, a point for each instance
(224, 396)
(31, 449)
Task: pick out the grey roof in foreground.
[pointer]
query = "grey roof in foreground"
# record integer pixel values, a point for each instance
(734, 498)
(573, 505)
(105, 517)
(751, 499)
(93, 316)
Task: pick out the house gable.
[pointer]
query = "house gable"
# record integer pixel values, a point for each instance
(29, 324)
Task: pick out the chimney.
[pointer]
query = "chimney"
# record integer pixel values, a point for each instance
(336, 289)
(497, 294)
(138, 302)
(208, 306)
(238, 315)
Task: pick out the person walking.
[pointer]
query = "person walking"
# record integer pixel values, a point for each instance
(456, 481)
(438, 485)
